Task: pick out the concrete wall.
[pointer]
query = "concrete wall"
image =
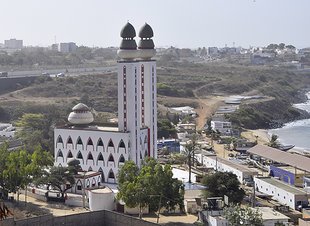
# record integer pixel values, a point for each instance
(284, 175)
(303, 222)
(98, 218)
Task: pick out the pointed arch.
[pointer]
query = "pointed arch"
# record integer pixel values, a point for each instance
(100, 158)
(111, 176)
(78, 186)
(80, 156)
(141, 155)
(145, 154)
(102, 175)
(93, 182)
(69, 142)
(111, 162)
(90, 144)
(90, 158)
(121, 146)
(87, 183)
(100, 144)
(60, 155)
(69, 155)
(79, 142)
(59, 141)
(90, 169)
(111, 147)
(121, 160)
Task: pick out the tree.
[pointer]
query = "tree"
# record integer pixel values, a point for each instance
(237, 215)
(274, 141)
(152, 186)
(3, 158)
(34, 130)
(191, 147)
(59, 178)
(223, 183)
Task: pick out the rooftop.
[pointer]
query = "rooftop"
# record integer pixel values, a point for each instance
(295, 160)
(270, 214)
(282, 185)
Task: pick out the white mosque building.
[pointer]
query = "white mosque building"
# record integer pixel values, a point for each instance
(105, 149)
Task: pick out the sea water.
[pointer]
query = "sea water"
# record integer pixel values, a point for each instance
(297, 132)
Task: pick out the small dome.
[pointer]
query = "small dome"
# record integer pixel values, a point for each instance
(146, 31)
(81, 115)
(128, 31)
(128, 44)
(80, 107)
(146, 44)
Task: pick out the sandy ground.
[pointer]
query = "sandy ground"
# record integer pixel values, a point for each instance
(260, 135)
(206, 109)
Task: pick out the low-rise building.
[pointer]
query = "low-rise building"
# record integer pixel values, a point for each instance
(283, 193)
(221, 124)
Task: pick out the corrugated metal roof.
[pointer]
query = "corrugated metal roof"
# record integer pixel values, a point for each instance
(295, 160)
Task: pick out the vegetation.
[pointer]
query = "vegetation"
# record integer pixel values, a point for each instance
(152, 186)
(165, 129)
(18, 167)
(223, 183)
(191, 147)
(237, 215)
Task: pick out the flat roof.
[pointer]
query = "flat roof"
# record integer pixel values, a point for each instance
(270, 214)
(295, 160)
(282, 185)
(235, 165)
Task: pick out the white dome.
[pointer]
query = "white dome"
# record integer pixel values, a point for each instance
(127, 54)
(81, 115)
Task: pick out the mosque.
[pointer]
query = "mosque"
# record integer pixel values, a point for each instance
(105, 149)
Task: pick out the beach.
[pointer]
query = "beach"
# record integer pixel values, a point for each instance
(259, 135)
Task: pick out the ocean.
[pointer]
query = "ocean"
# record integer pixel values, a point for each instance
(297, 132)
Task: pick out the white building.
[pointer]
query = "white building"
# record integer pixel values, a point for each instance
(219, 123)
(242, 172)
(67, 47)
(285, 194)
(13, 44)
(106, 149)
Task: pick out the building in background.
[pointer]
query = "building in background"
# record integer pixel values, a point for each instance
(13, 44)
(67, 47)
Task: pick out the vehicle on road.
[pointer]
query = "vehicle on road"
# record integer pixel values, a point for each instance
(4, 74)
(60, 75)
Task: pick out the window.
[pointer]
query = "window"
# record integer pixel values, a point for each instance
(111, 159)
(111, 144)
(90, 142)
(100, 143)
(79, 187)
(111, 175)
(122, 159)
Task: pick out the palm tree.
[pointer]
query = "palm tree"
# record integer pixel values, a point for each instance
(190, 147)
(274, 143)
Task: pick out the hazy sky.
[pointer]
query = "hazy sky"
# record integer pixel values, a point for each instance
(181, 23)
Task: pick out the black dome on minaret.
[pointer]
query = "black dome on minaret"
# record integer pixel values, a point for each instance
(128, 33)
(146, 31)
(146, 34)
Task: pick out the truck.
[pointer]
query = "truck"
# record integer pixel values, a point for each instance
(4, 74)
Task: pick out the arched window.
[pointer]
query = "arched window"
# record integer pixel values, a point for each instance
(93, 182)
(90, 169)
(69, 141)
(111, 162)
(79, 142)
(99, 144)
(59, 154)
(145, 154)
(100, 158)
(141, 156)
(80, 156)
(69, 155)
(89, 142)
(59, 141)
(111, 177)
(90, 158)
(121, 160)
(102, 175)
(78, 186)
(87, 183)
(121, 146)
(111, 146)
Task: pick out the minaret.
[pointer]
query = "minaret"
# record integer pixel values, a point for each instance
(148, 87)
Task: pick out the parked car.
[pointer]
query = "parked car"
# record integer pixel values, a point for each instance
(60, 75)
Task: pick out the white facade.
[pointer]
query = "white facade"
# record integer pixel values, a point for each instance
(242, 172)
(282, 192)
(101, 199)
(106, 149)
(223, 127)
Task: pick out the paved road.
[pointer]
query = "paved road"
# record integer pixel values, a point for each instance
(67, 71)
